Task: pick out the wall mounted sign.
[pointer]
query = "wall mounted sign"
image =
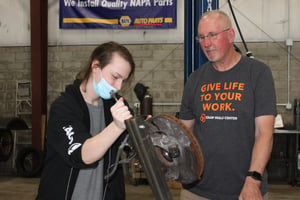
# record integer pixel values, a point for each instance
(117, 14)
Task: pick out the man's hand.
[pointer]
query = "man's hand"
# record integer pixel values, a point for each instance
(251, 190)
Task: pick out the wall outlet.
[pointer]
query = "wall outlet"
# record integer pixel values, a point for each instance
(289, 42)
(288, 106)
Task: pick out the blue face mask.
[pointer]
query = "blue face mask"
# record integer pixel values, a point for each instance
(103, 89)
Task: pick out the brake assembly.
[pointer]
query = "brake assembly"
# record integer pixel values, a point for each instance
(168, 151)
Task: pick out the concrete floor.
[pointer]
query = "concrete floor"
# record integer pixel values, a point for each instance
(16, 188)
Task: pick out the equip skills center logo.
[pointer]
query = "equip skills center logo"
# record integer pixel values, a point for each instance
(219, 97)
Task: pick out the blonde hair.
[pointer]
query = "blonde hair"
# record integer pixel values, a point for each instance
(224, 18)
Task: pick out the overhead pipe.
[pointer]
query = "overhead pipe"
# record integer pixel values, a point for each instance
(248, 53)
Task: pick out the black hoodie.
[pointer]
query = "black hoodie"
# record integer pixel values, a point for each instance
(67, 129)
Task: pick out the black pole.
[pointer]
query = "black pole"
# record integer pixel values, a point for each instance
(248, 53)
(188, 39)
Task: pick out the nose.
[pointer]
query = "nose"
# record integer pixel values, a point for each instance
(118, 84)
(206, 42)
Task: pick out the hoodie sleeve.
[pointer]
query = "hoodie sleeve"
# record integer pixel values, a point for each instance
(67, 130)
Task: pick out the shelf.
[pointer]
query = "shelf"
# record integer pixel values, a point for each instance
(23, 98)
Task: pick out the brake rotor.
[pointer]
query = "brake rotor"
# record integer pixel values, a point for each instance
(178, 151)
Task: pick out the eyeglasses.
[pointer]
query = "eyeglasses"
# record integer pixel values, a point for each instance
(210, 35)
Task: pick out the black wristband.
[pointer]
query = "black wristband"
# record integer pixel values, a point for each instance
(255, 175)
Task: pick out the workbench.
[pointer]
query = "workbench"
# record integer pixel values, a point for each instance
(283, 164)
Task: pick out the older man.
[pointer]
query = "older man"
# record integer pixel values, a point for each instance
(230, 104)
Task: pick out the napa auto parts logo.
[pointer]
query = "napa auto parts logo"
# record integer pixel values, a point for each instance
(125, 21)
(149, 14)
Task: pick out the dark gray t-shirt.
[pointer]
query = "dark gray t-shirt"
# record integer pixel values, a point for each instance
(224, 106)
(89, 184)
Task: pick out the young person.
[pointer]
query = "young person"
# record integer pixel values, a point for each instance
(85, 129)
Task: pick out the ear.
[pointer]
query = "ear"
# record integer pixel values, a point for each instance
(95, 65)
(231, 35)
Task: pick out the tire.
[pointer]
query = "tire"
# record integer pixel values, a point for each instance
(29, 162)
(6, 144)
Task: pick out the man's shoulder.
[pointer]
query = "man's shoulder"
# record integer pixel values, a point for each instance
(254, 61)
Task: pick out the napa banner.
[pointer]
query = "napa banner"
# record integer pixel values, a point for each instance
(117, 14)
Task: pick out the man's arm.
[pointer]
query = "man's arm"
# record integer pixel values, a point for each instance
(264, 126)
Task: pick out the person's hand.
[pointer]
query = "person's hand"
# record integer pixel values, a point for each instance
(120, 113)
(251, 190)
(148, 117)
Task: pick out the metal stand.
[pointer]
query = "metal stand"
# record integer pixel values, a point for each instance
(143, 145)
